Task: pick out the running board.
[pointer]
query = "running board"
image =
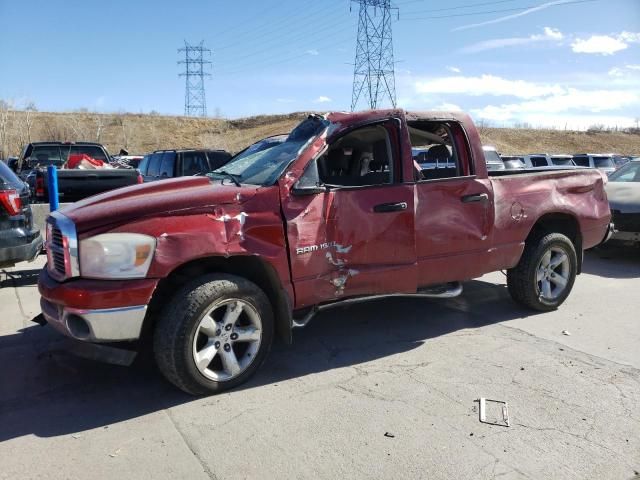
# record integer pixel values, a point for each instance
(445, 290)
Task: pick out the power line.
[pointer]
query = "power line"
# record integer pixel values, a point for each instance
(468, 5)
(195, 103)
(496, 11)
(373, 72)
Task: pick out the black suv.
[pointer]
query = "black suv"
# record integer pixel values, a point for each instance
(19, 240)
(163, 164)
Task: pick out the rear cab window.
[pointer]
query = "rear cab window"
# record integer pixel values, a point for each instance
(438, 150)
(539, 161)
(167, 164)
(44, 155)
(92, 151)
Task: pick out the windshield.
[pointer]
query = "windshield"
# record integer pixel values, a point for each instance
(263, 167)
(627, 173)
(603, 162)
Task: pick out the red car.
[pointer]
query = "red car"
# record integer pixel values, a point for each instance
(210, 269)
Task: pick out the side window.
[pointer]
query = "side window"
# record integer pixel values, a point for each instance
(154, 165)
(581, 161)
(539, 161)
(360, 158)
(434, 151)
(167, 165)
(218, 159)
(144, 165)
(194, 163)
(89, 150)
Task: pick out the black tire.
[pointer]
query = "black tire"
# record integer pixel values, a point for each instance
(522, 279)
(178, 324)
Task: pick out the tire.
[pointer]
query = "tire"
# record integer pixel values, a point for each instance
(193, 346)
(540, 287)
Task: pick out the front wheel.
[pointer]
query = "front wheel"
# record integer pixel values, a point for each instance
(214, 334)
(545, 275)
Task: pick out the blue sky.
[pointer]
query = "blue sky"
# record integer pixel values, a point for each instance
(511, 61)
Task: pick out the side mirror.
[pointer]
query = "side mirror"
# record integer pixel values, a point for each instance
(309, 182)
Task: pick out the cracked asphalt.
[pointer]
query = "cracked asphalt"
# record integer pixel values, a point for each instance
(379, 390)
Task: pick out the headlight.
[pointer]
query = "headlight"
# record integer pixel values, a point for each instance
(116, 255)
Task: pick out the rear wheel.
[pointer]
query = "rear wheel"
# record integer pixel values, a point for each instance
(545, 275)
(214, 334)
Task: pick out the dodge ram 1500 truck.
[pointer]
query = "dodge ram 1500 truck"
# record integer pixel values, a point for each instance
(211, 269)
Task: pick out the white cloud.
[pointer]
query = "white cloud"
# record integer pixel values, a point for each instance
(322, 99)
(454, 69)
(515, 15)
(313, 52)
(549, 35)
(486, 85)
(605, 44)
(448, 107)
(623, 71)
(602, 44)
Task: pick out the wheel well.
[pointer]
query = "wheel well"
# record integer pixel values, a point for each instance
(563, 223)
(252, 268)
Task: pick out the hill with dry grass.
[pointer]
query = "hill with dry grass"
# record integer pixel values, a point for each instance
(140, 133)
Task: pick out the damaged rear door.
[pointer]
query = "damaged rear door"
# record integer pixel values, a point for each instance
(350, 220)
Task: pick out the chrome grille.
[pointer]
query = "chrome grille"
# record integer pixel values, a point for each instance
(61, 247)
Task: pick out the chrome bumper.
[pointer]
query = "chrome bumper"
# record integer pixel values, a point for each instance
(611, 229)
(108, 325)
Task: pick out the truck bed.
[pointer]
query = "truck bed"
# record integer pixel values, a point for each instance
(74, 185)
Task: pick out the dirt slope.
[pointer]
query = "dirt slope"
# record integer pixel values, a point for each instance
(143, 133)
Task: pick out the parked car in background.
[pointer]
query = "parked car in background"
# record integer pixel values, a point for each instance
(602, 162)
(623, 191)
(164, 164)
(73, 184)
(19, 239)
(535, 160)
(513, 162)
(494, 162)
(210, 269)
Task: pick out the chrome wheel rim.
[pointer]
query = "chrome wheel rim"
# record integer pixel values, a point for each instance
(552, 274)
(227, 339)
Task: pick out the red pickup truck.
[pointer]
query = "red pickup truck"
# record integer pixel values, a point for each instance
(210, 269)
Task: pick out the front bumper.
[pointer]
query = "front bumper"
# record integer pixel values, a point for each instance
(95, 325)
(27, 251)
(96, 310)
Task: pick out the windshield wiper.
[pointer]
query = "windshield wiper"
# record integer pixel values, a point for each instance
(234, 178)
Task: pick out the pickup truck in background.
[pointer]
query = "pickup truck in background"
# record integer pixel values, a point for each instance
(210, 269)
(73, 184)
(165, 164)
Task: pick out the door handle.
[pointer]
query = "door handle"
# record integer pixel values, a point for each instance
(475, 197)
(390, 207)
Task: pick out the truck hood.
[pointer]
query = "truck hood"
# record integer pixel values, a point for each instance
(186, 195)
(624, 196)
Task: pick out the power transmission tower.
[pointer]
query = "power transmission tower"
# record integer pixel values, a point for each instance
(373, 74)
(195, 102)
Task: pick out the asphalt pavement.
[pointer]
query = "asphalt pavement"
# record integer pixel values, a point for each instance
(386, 389)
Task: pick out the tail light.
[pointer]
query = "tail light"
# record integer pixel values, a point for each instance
(10, 200)
(140, 178)
(39, 187)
